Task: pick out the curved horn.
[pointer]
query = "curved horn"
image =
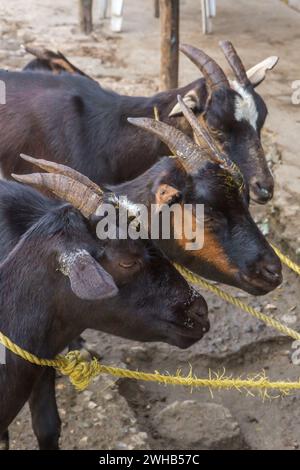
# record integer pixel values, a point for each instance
(53, 167)
(212, 72)
(203, 133)
(180, 144)
(235, 62)
(200, 131)
(74, 192)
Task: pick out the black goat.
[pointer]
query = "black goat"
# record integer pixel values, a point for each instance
(57, 279)
(234, 251)
(233, 111)
(58, 123)
(202, 175)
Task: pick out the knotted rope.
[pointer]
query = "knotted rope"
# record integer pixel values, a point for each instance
(81, 372)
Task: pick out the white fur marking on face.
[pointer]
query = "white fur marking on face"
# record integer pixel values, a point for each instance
(67, 259)
(245, 107)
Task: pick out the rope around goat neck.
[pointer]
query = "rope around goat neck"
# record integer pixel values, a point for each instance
(81, 372)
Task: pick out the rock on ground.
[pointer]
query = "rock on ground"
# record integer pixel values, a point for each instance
(192, 424)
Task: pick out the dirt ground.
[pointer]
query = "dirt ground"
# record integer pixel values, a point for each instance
(131, 415)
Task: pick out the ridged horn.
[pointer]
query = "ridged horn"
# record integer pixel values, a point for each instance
(180, 144)
(74, 192)
(212, 72)
(53, 167)
(235, 62)
(200, 131)
(202, 134)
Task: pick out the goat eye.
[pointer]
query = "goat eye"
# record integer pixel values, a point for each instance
(128, 264)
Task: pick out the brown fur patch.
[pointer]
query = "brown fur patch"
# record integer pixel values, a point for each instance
(214, 253)
(211, 252)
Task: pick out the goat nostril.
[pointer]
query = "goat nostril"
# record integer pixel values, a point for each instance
(272, 272)
(197, 314)
(260, 189)
(265, 192)
(189, 323)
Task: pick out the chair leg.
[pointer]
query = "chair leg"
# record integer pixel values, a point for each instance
(103, 8)
(116, 15)
(206, 21)
(204, 16)
(212, 8)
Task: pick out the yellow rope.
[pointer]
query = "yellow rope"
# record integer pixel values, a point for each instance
(288, 262)
(197, 280)
(82, 372)
(27, 356)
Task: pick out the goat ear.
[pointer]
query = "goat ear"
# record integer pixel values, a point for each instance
(191, 99)
(89, 281)
(166, 194)
(258, 73)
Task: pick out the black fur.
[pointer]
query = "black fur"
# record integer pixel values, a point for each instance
(240, 139)
(72, 120)
(38, 309)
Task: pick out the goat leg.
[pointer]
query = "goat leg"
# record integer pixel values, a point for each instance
(46, 422)
(4, 441)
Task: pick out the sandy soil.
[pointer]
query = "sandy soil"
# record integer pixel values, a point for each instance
(125, 415)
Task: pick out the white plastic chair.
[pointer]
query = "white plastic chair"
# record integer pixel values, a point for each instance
(114, 10)
(209, 10)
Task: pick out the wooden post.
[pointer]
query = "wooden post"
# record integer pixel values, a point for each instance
(85, 16)
(156, 8)
(169, 42)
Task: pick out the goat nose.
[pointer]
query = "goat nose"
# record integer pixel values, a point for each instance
(271, 270)
(198, 315)
(263, 191)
